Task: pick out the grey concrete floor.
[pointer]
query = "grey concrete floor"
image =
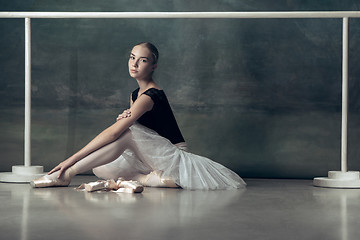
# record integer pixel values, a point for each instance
(267, 209)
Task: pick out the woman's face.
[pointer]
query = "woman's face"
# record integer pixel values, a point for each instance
(141, 63)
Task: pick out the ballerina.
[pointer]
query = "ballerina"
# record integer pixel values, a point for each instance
(145, 143)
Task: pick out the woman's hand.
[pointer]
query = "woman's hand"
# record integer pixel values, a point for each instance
(61, 167)
(125, 114)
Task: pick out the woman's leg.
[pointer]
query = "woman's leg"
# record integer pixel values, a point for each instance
(104, 155)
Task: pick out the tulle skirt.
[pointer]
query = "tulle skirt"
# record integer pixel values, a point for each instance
(189, 171)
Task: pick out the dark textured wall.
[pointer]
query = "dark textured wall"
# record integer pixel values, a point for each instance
(261, 96)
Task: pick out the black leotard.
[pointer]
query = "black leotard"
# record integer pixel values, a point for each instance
(160, 118)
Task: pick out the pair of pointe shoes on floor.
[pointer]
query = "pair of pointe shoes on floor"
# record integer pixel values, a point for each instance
(110, 185)
(153, 179)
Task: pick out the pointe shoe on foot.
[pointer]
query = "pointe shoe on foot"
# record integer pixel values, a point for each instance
(169, 183)
(156, 179)
(46, 181)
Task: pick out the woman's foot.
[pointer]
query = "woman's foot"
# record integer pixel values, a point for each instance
(51, 181)
(168, 182)
(155, 179)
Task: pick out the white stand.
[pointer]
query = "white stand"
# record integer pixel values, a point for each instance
(343, 178)
(338, 179)
(27, 172)
(22, 174)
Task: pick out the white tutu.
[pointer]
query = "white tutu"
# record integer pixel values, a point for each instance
(188, 170)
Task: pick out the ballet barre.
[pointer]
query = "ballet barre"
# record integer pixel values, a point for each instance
(335, 179)
(305, 14)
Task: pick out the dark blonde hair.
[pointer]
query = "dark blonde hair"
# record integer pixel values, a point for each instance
(153, 50)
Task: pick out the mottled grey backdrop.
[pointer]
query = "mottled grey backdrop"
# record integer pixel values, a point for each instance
(261, 96)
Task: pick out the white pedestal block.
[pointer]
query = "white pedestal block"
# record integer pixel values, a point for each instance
(338, 179)
(22, 174)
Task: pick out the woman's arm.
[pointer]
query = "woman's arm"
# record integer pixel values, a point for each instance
(143, 104)
(126, 113)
